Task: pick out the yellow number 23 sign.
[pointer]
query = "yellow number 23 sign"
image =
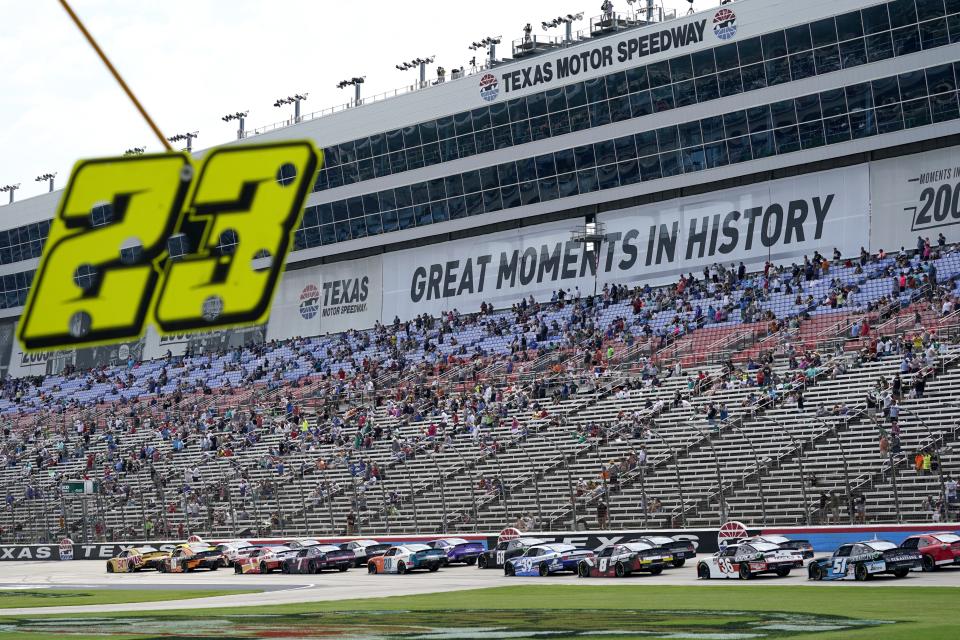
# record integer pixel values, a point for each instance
(179, 244)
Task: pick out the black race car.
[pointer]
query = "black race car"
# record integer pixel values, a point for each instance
(681, 550)
(316, 558)
(506, 549)
(803, 547)
(363, 550)
(863, 560)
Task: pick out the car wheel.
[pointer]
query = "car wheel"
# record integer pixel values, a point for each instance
(482, 562)
(619, 570)
(109, 567)
(215, 566)
(543, 569)
(744, 571)
(679, 562)
(901, 572)
(703, 571)
(284, 568)
(343, 567)
(131, 568)
(237, 569)
(434, 567)
(224, 563)
(263, 568)
(783, 572)
(163, 568)
(508, 570)
(471, 561)
(185, 566)
(371, 568)
(928, 563)
(312, 567)
(401, 568)
(860, 573)
(657, 571)
(583, 569)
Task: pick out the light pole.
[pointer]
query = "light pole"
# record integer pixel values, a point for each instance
(676, 469)
(47, 177)
(473, 485)
(240, 116)
(416, 63)
(490, 44)
(716, 459)
(893, 470)
(10, 188)
(536, 479)
(567, 21)
(756, 458)
(295, 100)
(832, 431)
(591, 235)
(799, 448)
(185, 136)
(413, 496)
(355, 83)
(443, 492)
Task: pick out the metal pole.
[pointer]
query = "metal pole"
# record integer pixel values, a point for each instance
(934, 442)
(383, 500)
(503, 489)
(832, 431)
(329, 501)
(443, 493)
(536, 482)
(186, 514)
(473, 486)
(413, 497)
(143, 507)
(893, 473)
(83, 505)
(603, 476)
(676, 469)
(803, 485)
(303, 505)
(756, 458)
(356, 500)
(723, 504)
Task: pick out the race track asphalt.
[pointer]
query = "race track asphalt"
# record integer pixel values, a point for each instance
(356, 583)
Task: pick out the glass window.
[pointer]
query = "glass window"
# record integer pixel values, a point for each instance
(539, 128)
(929, 9)
(585, 156)
(735, 123)
(707, 88)
(833, 102)
(481, 118)
(646, 143)
(510, 196)
(343, 231)
(715, 154)
(362, 148)
(371, 203)
(703, 63)
(586, 180)
(607, 176)
(798, 38)
(576, 95)
(859, 97)
(422, 215)
(453, 185)
(906, 40)
(849, 26)
(662, 98)
(916, 113)
(640, 104)
(885, 91)
(670, 163)
(378, 144)
(637, 79)
(421, 195)
(750, 51)
(681, 69)
(802, 65)
(837, 129)
(529, 192)
(787, 139)
(626, 148)
(580, 118)
(738, 149)
(783, 113)
(693, 159)
(536, 105)
(690, 134)
(827, 59)
(492, 201)
(879, 47)
(499, 116)
(526, 169)
(596, 89)
(650, 168)
(519, 131)
(759, 119)
(559, 123)
(629, 172)
(902, 13)
(616, 84)
(619, 108)
(852, 53)
(471, 181)
(605, 152)
(684, 93)
(875, 19)
(863, 124)
(944, 107)
(889, 118)
(518, 110)
(913, 84)
(659, 73)
(823, 32)
(778, 71)
(340, 212)
(712, 128)
(474, 204)
(726, 56)
(600, 113)
(501, 140)
(934, 33)
(774, 45)
(940, 79)
(411, 136)
(811, 135)
(668, 138)
(730, 83)
(763, 145)
(565, 161)
(556, 100)
(404, 218)
(373, 225)
(507, 172)
(463, 122)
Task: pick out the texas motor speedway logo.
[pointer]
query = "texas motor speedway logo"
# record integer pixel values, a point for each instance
(725, 24)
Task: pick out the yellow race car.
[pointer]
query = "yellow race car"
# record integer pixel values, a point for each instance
(137, 559)
(190, 556)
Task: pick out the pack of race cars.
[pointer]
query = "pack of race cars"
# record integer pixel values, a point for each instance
(741, 559)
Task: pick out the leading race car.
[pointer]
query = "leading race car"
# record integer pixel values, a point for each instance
(803, 547)
(681, 550)
(137, 559)
(190, 556)
(863, 560)
(263, 560)
(937, 549)
(748, 559)
(318, 557)
(506, 549)
(406, 557)
(364, 550)
(621, 560)
(458, 550)
(544, 559)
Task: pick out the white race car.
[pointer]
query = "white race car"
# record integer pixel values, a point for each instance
(230, 550)
(407, 557)
(746, 560)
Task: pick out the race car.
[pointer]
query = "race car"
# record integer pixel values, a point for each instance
(136, 559)
(748, 559)
(407, 557)
(621, 560)
(506, 549)
(458, 550)
(190, 556)
(230, 551)
(938, 549)
(863, 560)
(318, 557)
(364, 550)
(263, 560)
(300, 543)
(544, 559)
(681, 550)
(803, 547)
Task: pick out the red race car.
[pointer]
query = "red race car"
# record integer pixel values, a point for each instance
(938, 549)
(263, 560)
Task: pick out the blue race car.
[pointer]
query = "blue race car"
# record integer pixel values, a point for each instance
(863, 560)
(458, 550)
(544, 559)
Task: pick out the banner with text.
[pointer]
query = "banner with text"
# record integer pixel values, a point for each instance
(916, 195)
(327, 299)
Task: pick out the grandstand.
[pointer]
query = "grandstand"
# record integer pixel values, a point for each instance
(662, 292)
